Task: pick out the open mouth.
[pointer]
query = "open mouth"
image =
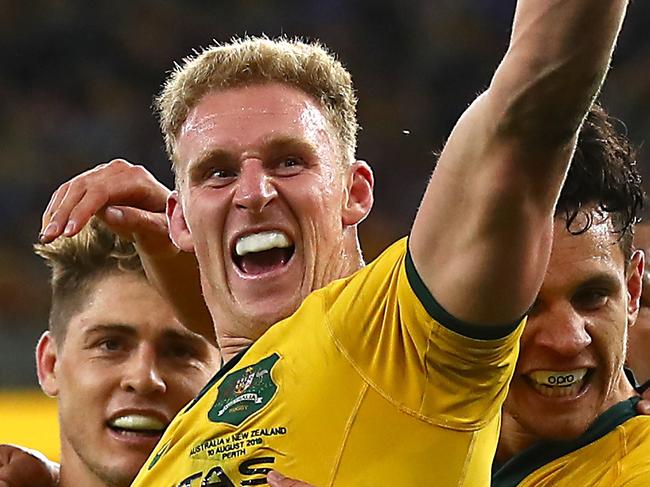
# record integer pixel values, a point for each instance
(263, 252)
(137, 425)
(566, 383)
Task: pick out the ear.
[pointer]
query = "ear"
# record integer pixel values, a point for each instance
(358, 193)
(178, 229)
(634, 279)
(46, 360)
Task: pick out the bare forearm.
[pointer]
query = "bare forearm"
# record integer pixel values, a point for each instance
(559, 53)
(177, 279)
(495, 186)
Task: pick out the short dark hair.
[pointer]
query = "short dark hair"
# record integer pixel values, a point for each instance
(603, 174)
(77, 263)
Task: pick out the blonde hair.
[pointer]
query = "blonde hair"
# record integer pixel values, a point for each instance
(77, 262)
(308, 67)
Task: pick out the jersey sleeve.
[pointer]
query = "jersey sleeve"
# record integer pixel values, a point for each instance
(388, 325)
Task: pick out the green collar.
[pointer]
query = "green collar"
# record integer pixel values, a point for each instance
(225, 368)
(520, 466)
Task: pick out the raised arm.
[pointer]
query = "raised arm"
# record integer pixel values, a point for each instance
(481, 239)
(132, 202)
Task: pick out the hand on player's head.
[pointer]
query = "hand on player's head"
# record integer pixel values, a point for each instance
(24, 468)
(126, 196)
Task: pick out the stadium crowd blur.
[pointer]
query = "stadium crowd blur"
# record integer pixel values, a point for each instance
(78, 77)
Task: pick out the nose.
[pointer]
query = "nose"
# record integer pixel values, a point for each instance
(142, 374)
(255, 189)
(562, 330)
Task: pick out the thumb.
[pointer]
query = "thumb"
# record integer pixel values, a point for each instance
(146, 228)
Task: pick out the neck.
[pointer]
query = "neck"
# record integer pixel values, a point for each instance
(236, 330)
(75, 471)
(515, 438)
(230, 346)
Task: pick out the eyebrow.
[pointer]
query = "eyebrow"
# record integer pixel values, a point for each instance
(288, 143)
(214, 155)
(125, 329)
(111, 327)
(271, 144)
(185, 336)
(601, 279)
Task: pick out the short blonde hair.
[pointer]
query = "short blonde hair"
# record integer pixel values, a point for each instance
(78, 262)
(309, 67)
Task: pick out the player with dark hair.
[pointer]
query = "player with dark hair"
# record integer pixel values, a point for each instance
(570, 416)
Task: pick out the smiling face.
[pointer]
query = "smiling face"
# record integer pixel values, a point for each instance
(123, 371)
(266, 203)
(570, 367)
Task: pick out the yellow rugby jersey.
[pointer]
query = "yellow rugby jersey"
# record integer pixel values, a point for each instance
(369, 383)
(613, 452)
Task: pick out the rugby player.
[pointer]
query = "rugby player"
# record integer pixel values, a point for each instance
(569, 417)
(638, 353)
(115, 357)
(262, 135)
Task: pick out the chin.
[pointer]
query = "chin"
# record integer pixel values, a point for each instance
(546, 425)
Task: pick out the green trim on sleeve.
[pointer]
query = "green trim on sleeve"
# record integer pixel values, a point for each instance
(515, 470)
(438, 313)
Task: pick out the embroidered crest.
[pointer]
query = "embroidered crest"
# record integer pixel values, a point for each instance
(244, 392)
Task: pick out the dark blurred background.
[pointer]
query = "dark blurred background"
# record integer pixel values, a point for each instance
(78, 77)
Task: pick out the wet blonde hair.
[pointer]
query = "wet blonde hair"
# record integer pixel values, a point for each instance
(77, 262)
(309, 67)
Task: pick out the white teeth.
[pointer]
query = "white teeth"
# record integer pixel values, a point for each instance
(258, 242)
(564, 378)
(138, 422)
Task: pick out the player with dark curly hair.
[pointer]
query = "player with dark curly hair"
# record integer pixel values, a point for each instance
(570, 418)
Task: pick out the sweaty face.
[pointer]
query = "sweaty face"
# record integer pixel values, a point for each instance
(573, 348)
(638, 354)
(261, 191)
(125, 368)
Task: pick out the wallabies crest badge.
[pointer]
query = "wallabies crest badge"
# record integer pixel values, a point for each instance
(244, 392)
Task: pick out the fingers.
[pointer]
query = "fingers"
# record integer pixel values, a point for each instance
(643, 407)
(147, 229)
(276, 479)
(115, 183)
(52, 227)
(71, 212)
